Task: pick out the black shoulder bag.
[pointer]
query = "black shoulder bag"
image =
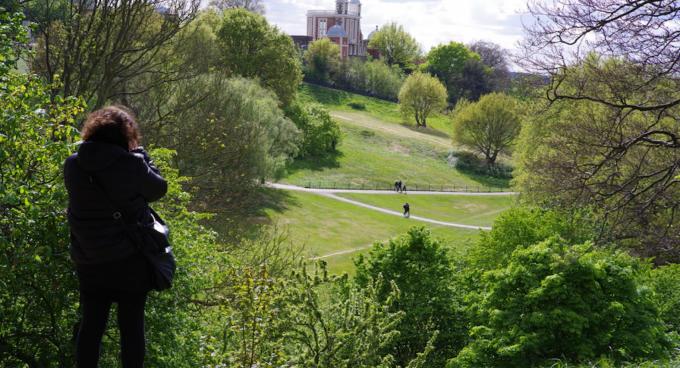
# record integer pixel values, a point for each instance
(151, 239)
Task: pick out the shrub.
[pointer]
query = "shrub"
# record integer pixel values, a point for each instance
(665, 281)
(470, 163)
(555, 300)
(357, 105)
(418, 265)
(320, 134)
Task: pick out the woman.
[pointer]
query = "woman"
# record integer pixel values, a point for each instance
(110, 182)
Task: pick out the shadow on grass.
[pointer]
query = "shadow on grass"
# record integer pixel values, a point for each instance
(486, 180)
(428, 130)
(251, 213)
(325, 95)
(316, 163)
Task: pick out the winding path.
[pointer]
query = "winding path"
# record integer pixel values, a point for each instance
(330, 193)
(370, 191)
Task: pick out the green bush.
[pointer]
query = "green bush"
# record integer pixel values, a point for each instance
(419, 266)
(555, 300)
(665, 281)
(357, 105)
(320, 134)
(470, 163)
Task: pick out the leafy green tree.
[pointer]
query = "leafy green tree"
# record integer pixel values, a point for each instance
(457, 67)
(38, 295)
(419, 266)
(233, 137)
(559, 300)
(489, 126)
(372, 77)
(628, 184)
(665, 281)
(95, 49)
(322, 60)
(256, 6)
(396, 45)
(420, 96)
(252, 48)
(320, 134)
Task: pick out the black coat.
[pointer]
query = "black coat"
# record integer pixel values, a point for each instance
(130, 180)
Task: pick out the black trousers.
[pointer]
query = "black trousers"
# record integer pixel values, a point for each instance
(126, 283)
(95, 308)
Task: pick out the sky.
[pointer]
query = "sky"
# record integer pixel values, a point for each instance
(431, 22)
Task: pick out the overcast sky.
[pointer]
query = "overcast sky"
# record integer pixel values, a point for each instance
(431, 22)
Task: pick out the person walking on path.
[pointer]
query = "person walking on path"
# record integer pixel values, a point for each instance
(108, 175)
(403, 188)
(397, 186)
(407, 210)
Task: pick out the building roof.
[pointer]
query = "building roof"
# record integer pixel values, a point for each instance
(336, 31)
(370, 35)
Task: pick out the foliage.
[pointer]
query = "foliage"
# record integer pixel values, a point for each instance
(469, 162)
(12, 35)
(322, 60)
(256, 6)
(495, 58)
(630, 184)
(420, 268)
(320, 134)
(396, 45)
(96, 49)
(558, 300)
(665, 280)
(488, 126)
(37, 297)
(420, 96)
(614, 108)
(448, 62)
(232, 137)
(520, 227)
(252, 48)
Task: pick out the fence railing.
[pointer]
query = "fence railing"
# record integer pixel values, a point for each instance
(409, 187)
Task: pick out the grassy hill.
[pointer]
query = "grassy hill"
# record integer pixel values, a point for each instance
(376, 149)
(338, 231)
(386, 111)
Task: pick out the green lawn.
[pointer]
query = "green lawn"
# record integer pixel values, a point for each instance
(468, 210)
(325, 226)
(384, 110)
(372, 155)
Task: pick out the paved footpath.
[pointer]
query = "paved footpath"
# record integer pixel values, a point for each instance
(330, 193)
(370, 191)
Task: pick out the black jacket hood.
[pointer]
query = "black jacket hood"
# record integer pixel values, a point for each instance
(96, 156)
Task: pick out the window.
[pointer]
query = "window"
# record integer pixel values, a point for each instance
(322, 28)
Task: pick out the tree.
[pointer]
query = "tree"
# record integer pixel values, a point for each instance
(614, 70)
(320, 134)
(608, 168)
(322, 59)
(396, 46)
(488, 126)
(94, 49)
(419, 267)
(495, 58)
(233, 137)
(255, 6)
(558, 300)
(252, 48)
(458, 68)
(421, 95)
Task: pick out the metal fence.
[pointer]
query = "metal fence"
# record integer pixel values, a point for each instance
(409, 187)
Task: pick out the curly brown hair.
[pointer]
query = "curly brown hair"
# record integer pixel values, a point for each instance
(112, 124)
